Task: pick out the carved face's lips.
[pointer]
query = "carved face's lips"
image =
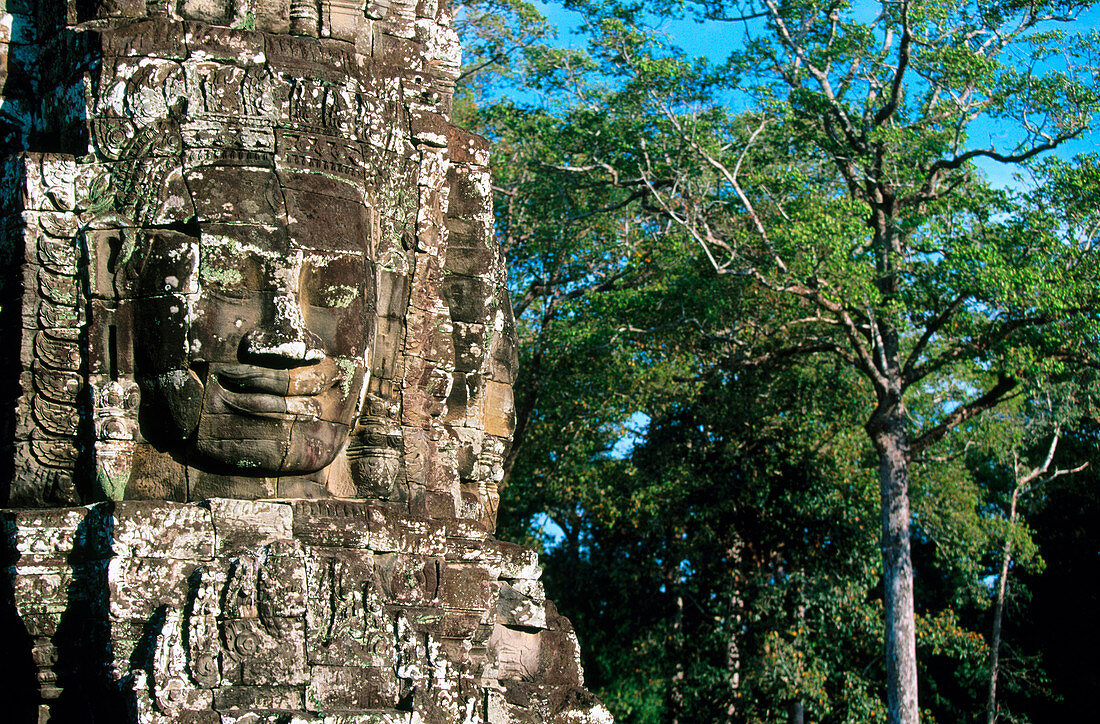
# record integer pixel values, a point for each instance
(296, 394)
(266, 393)
(260, 420)
(275, 407)
(297, 381)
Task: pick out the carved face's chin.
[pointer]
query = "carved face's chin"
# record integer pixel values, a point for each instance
(249, 446)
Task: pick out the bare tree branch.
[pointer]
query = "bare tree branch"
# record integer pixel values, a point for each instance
(952, 164)
(888, 110)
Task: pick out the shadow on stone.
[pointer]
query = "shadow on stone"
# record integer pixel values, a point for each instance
(18, 686)
(87, 689)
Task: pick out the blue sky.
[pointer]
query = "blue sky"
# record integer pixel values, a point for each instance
(712, 39)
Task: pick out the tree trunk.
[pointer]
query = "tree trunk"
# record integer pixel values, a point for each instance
(676, 693)
(1002, 587)
(995, 639)
(734, 620)
(890, 437)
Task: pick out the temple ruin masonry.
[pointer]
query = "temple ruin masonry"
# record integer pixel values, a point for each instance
(256, 367)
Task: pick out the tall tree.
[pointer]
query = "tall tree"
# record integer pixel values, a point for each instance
(904, 264)
(847, 195)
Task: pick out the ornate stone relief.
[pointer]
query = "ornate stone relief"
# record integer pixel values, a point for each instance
(257, 385)
(257, 611)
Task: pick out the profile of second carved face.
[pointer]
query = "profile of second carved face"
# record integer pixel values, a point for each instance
(253, 318)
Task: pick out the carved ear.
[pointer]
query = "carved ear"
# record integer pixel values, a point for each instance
(180, 393)
(175, 202)
(109, 247)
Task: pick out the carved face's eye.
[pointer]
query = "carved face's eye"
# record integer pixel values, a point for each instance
(164, 264)
(231, 274)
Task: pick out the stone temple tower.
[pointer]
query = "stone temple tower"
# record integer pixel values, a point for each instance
(256, 378)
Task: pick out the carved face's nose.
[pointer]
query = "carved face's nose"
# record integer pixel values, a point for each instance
(282, 337)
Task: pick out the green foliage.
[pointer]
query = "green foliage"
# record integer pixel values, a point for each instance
(495, 35)
(707, 301)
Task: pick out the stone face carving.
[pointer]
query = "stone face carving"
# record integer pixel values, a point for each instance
(257, 262)
(251, 340)
(256, 380)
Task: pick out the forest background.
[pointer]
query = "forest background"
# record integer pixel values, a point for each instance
(807, 299)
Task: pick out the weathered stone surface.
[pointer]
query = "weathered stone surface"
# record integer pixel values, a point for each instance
(45, 533)
(136, 583)
(262, 189)
(327, 632)
(139, 530)
(256, 323)
(248, 524)
(518, 561)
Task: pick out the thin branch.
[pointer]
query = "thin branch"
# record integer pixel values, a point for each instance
(640, 193)
(793, 46)
(891, 106)
(962, 413)
(732, 178)
(934, 325)
(1041, 469)
(952, 164)
(989, 339)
